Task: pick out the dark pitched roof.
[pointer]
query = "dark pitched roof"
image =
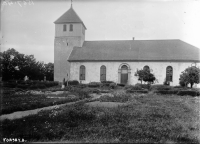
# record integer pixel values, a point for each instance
(69, 16)
(135, 50)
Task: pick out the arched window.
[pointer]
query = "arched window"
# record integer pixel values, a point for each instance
(82, 72)
(65, 27)
(124, 69)
(71, 27)
(146, 68)
(169, 73)
(103, 73)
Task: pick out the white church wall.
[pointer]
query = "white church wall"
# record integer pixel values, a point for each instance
(159, 70)
(62, 49)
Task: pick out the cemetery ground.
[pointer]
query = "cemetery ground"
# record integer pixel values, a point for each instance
(119, 117)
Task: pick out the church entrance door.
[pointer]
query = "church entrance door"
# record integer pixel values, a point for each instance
(124, 74)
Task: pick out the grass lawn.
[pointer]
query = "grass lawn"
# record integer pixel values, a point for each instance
(16, 102)
(147, 118)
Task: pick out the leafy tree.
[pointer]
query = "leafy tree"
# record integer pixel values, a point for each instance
(49, 71)
(145, 75)
(190, 76)
(15, 66)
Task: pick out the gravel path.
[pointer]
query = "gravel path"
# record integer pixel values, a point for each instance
(20, 114)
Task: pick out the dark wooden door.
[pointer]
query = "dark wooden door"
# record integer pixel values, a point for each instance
(124, 78)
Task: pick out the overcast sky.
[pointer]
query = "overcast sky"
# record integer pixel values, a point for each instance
(30, 29)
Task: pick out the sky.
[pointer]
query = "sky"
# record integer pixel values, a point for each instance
(27, 25)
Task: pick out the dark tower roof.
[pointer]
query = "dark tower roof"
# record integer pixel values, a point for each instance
(69, 16)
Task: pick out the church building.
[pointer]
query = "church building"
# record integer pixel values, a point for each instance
(116, 60)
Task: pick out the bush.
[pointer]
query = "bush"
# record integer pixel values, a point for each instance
(137, 91)
(167, 91)
(94, 84)
(106, 83)
(112, 85)
(82, 85)
(10, 85)
(144, 86)
(41, 86)
(118, 97)
(188, 92)
(22, 86)
(48, 83)
(33, 87)
(121, 84)
(82, 94)
(131, 87)
(178, 87)
(73, 82)
(160, 87)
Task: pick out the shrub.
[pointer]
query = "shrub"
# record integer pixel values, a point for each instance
(82, 94)
(160, 87)
(49, 84)
(144, 86)
(137, 91)
(131, 87)
(106, 83)
(10, 85)
(112, 85)
(94, 84)
(33, 87)
(73, 82)
(177, 86)
(188, 92)
(95, 91)
(118, 97)
(82, 85)
(41, 86)
(22, 86)
(167, 91)
(121, 84)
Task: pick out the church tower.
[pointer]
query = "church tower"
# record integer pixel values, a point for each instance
(69, 33)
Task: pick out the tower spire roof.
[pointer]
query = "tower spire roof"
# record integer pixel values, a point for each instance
(69, 16)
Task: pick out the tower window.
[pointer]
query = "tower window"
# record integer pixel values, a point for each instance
(64, 27)
(71, 27)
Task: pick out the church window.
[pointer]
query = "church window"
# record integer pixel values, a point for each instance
(169, 73)
(65, 27)
(71, 27)
(82, 72)
(103, 73)
(146, 68)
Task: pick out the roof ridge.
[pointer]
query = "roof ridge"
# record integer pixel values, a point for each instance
(131, 40)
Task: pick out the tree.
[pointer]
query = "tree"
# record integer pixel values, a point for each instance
(49, 71)
(190, 75)
(145, 75)
(15, 66)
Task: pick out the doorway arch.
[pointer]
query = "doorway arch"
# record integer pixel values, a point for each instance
(124, 74)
